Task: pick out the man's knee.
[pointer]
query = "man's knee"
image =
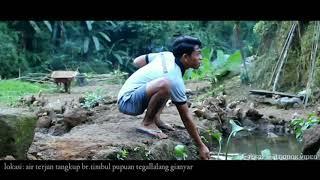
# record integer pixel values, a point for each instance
(164, 86)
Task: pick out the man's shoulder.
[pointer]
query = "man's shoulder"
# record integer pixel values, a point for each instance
(166, 53)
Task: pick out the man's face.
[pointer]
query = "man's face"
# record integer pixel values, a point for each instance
(195, 58)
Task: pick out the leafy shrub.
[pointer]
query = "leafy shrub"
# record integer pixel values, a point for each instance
(300, 125)
(122, 154)
(92, 99)
(11, 60)
(180, 152)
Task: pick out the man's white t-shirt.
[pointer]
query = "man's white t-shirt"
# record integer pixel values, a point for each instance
(154, 70)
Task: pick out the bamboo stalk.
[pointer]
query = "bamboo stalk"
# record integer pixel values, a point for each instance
(281, 55)
(284, 57)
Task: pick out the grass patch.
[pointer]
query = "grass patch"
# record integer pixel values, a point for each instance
(12, 90)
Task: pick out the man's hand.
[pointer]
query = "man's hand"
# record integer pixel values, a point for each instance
(186, 118)
(204, 153)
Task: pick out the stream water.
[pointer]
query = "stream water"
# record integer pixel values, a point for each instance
(280, 146)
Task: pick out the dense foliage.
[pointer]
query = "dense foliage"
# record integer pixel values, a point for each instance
(104, 46)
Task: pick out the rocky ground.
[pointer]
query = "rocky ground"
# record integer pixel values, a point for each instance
(65, 131)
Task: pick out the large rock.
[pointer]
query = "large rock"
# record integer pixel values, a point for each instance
(16, 132)
(163, 150)
(107, 137)
(57, 106)
(75, 117)
(311, 141)
(253, 114)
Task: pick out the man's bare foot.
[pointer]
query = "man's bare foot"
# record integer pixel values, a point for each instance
(152, 130)
(164, 125)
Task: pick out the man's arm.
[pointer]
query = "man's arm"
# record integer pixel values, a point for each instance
(192, 130)
(140, 61)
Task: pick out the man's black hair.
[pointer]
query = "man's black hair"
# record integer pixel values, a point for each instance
(184, 45)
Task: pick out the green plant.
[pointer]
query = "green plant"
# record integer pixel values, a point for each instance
(12, 59)
(300, 125)
(227, 63)
(235, 128)
(122, 154)
(92, 99)
(180, 152)
(216, 70)
(218, 137)
(266, 154)
(264, 27)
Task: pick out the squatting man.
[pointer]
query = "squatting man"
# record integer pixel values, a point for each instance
(160, 77)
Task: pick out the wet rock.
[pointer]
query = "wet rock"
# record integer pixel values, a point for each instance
(42, 130)
(253, 114)
(28, 100)
(109, 153)
(16, 133)
(58, 130)
(9, 158)
(101, 108)
(57, 106)
(311, 140)
(59, 115)
(263, 100)
(75, 117)
(286, 102)
(233, 104)
(44, 122)
(237, 114)
(104, 138)
(36, 103)
(108, 100)
(279, 129)
(270, 128)
(211, 116)
(181, 136)
(57, 121)
(252, 105)
(31, 157)
(221, 101)
(226, 129)
(276, 121)
(199, 112)
(248, 124)
(163, 150)
(271, 135)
